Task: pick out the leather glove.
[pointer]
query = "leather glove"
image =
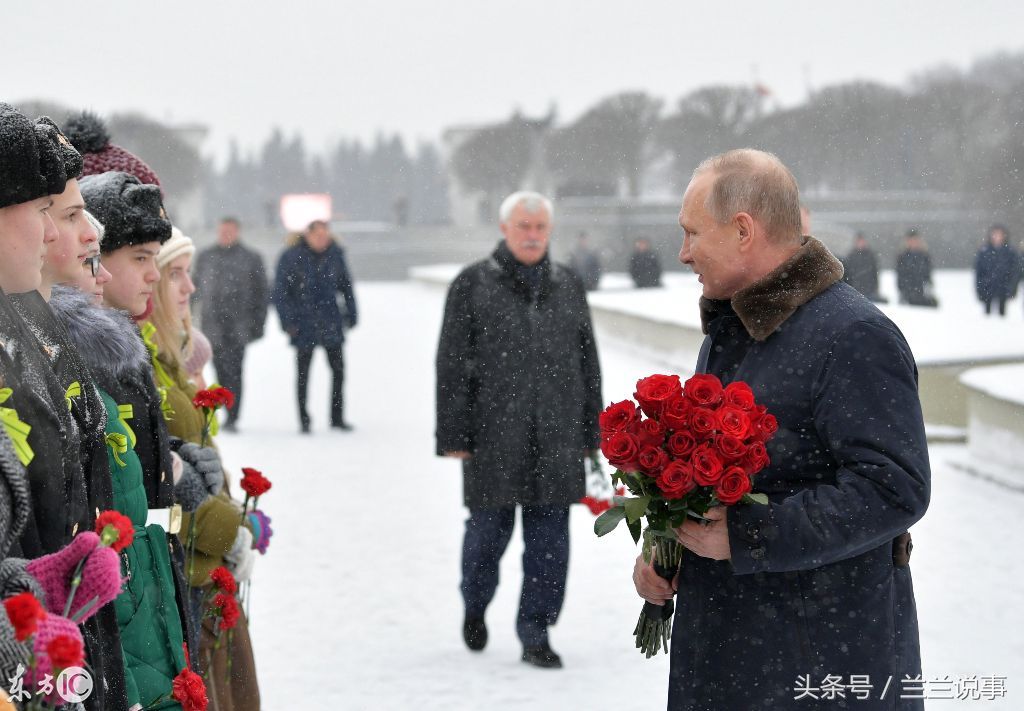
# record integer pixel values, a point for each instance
(101, 575)
(240, 559)
(259, 522)
(206, 461)
(190, 490)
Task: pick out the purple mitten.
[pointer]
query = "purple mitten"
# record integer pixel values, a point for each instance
(50, 628)
(261, 530)
(54, 571)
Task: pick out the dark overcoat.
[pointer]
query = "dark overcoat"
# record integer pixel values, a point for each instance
(996, 272)
(307, 285)
(813, 587)
(231, 290)
(518, 382)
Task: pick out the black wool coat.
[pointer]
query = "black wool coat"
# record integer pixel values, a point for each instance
(518, 382)
(307, 286)
(996, 272)
(812, 587)
(231, 289)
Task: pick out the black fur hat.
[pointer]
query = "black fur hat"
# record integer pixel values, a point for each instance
(131, 213)
(34, 158)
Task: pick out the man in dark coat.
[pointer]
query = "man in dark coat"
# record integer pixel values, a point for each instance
(914, 273)
(644, 265)
(996, 270)
(518, 395)
(776, 602)
(309, 278)
(586, 262)
(860, 269)
(231, 288)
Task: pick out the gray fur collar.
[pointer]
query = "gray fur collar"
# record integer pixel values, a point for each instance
(766, 304)
(107, 339)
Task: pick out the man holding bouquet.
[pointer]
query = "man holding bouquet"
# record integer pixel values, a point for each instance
(518, 395)
(810, 597)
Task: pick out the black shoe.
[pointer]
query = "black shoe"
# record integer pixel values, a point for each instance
(304, 428)
(474, 632)
(343, 426)
(542, 657)
(230, 426)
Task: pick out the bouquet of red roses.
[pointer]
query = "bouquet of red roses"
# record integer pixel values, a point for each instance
(698, 446)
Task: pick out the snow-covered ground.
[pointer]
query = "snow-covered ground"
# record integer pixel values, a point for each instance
(356, 605)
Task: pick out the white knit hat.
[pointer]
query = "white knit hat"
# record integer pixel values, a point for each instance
(175, 247)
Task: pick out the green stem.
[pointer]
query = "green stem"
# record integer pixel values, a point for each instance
(76, 580)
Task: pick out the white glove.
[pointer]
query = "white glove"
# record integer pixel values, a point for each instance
(241, 559)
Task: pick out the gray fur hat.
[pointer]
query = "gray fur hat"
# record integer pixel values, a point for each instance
(131, 213)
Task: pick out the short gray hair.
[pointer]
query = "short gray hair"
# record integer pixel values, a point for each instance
(531, 201)
(755, 182)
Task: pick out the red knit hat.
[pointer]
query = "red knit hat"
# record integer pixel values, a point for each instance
(89, 135)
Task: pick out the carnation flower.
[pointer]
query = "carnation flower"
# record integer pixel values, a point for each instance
(25, 612)
(189, 690)
(254, 483)
(115, 530)
(228, 610)
(65, 651)
(223, 580)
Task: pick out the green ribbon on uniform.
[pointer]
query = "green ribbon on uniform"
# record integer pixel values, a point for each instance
(125, 413)
(16, 429)
(74, 390)
(118, 444)
(162, 378)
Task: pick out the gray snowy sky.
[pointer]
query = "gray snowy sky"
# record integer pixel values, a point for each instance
(348, 69)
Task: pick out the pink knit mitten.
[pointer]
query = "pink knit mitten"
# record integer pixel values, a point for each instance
(101, 575)
(50, 628)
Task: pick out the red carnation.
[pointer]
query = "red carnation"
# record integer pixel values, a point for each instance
(680, 444)
(756, 458)
(650, 432)
(652, 460)
(190, 691)
(223, 580)
(115, 530)
(619, 417)
(654, 391)
(703, 422)
(733, 421)
(25, 612)
(676, 413)
(227, 608)
(765, 425)
(704, 389)
(707, 465)
(212, 398)
(738, 394)
(731, 447)
(676, 480)
(732, 486)
(65, 651)
(621, 450)
(596, 506)
(254, 483)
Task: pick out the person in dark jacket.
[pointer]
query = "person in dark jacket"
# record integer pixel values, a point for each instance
(996, 270)
(309, 278)
(231, 288)
(586, 262)
(518, 394)
(774, 598)
(914, 273)
(644, 265)
(860, 269)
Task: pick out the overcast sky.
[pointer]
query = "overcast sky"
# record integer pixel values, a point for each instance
(349, 69)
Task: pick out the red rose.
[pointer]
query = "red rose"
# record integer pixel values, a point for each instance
(756, 458)
(733, 421)
(254, 483)
(227, 608)
(738, 394)
(652, 460)
(115, 530)
(702, 421)
(65, 651)
(596, 506)
(654, 391)
(704, 389)
(25, 612)
(223, 580)
(619, 417)
(680, 444)
(732, 486)
(707, 465)
(190, 691)
(731, 447)
(676, 480)
(765, 425)
(621, 450)
(651, 432)
(676, 413)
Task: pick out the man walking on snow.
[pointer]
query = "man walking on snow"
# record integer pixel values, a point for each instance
(518, 395)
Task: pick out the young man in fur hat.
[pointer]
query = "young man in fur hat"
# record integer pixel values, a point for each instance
(817, 582)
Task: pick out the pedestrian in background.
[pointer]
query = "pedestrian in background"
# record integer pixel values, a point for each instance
(860, 269)
(586, 262)
(996, 270)
(914, 273)
(644, 265)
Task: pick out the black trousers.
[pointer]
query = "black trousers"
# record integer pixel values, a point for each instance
(336, 359)
(228, 355)
(997, 300)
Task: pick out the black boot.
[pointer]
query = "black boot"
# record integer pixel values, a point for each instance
(542, 657)
(474, 633)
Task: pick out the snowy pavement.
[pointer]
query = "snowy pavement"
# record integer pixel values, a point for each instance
(356, 605)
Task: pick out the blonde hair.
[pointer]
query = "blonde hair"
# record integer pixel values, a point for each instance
(173, 333)
(755, 182)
